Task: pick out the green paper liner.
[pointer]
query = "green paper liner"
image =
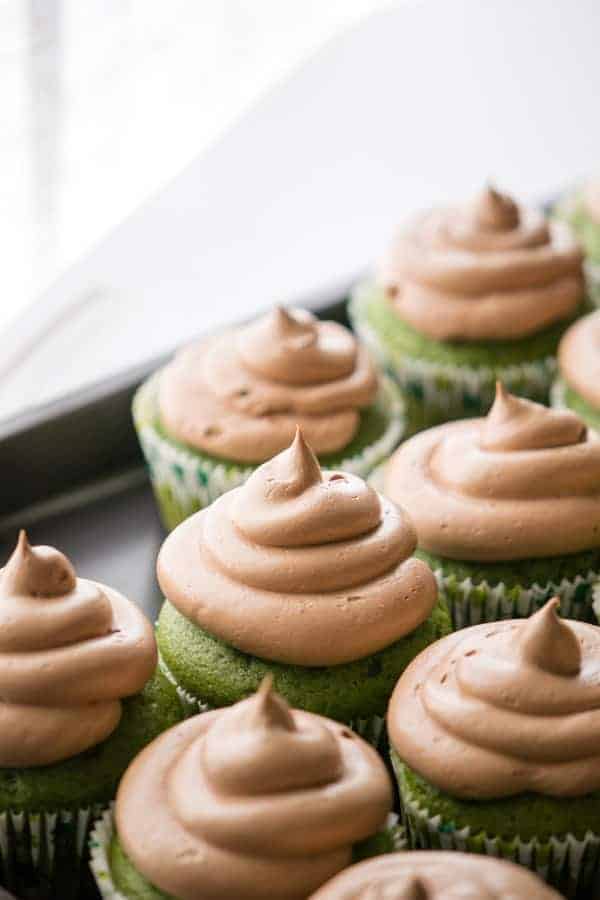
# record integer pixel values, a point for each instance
(372, 729)
(471, 603)
(391, 839)
(43, 854)
(438, 392)
(566, 862)
(185, 482)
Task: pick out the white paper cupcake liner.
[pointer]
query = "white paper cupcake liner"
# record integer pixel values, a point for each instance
(103, 831)
(28, 844)
(471, 603)
(570, 863)
(596, 601)
(185, 482)
(447, 392)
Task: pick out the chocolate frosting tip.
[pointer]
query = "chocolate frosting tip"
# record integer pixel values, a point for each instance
(495, 211)
(269, 709)
(287, 323)
(549, 643)
(515, 423)
(292, 471)
(37, 571)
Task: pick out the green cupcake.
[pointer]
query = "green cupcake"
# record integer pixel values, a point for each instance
(581, 209)
(507, 509)
(495, 734)
(232, 401)
(80, 698)
(578, 385)
(467, 297)
(254, 801)
(304, 574)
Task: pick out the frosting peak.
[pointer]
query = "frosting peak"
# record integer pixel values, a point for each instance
(515, 423)
(240, 395)
(92, 646)
(251, 801)
(435, 875)
(550, 643)
(493, 211)
(295, 558)
(515, 706)
(522, 483)
(490, 271)
(39, 571)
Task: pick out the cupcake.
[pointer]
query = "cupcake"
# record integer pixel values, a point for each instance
(581, 209)
(507, 509)
(232, 401)
(495, 736)
(578, 386)
(79, 698)
(469, 296)
(302, 573)
(254, 801)
(435, 875)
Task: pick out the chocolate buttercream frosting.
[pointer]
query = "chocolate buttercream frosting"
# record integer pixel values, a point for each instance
(491, 271)
(579, 358)
(70, 650)
(522, 483)
(253, 801)
(240, 395)
(299, 565)
(435, 875)
(503, 709)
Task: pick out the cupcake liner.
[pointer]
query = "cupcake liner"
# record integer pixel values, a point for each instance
(100, 841)
(191, 705)
(372, 729)
(185, 482)
(566, 862)
(437, 392)
(391, 839)
(596, 601)
(43, 851)
(471, 603)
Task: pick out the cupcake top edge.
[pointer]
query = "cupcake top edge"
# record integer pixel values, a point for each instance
(579, 358)
(503, 709)
(489, 270)
(521, 483)
(70, 650)
(239, 395)
(435, 875)
(299, 565)
(236, 801)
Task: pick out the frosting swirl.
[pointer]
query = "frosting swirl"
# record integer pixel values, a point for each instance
(299, 566)
(252, 801)
(579, 358)
(522, 483)
(241, 394)
(435, 875)
(514, 705)
(491, 271)
(70, 649)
